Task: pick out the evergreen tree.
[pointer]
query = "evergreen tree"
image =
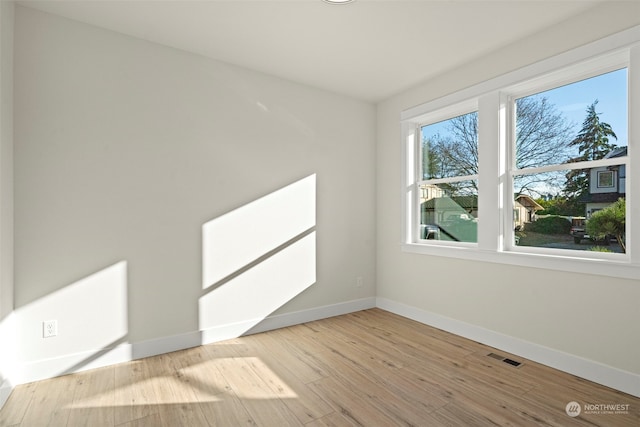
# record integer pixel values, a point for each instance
(593, 144)
(593, 139)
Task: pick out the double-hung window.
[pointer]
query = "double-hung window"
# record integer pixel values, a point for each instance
(447, 187)
(534, 167)
(568, 141)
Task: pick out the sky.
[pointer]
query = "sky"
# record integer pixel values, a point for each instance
(611, 92)
(573, 100)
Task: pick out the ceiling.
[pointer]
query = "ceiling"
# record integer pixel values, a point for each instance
(367, 49)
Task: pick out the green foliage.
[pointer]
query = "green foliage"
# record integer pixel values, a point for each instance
(593, 144)
(576, 184)
(609, 221)
(560, 206)
(599, 249)
(549, 225)
(593, 139)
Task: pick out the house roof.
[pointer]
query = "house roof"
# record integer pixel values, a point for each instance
(616, 152)
(600, 197)
(471, 202)
(456, 202)
(528, 202)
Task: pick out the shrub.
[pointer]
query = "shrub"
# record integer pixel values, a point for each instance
(550, 225)
(609, 221)
(599, 249)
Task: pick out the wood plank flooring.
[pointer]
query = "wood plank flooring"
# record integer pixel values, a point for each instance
(370, 368)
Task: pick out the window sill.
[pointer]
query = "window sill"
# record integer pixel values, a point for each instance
(620, 268)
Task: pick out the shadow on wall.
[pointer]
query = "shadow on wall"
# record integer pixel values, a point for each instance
(94, 316)
(256, 258)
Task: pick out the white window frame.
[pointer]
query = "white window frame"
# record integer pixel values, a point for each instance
(493, 99)
(442, 115)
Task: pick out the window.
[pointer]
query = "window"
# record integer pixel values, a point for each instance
(565, 144)
(605, 179)
(514, 170)
(448, 189)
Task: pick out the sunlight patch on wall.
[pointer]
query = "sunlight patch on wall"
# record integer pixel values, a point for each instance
(251, 296)
(91, 316)
(256, 258)
(238, 238)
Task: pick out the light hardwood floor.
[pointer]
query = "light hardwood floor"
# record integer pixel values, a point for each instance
(370, 368)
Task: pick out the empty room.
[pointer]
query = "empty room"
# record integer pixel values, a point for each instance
(319, 213)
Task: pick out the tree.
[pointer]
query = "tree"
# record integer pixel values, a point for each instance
(455, 154)
(558, 206)
(542, 137)
(593, 144)
(609, 221)
(542, 133)
(593, 139)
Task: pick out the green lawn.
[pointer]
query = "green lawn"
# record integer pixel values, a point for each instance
(530, 238)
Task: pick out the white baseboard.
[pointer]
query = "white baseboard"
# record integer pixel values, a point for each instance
(164, 345)
(277, 321)
(317, 313)
(618, 379)
(70, 363)
(590, 370)
(125, 352)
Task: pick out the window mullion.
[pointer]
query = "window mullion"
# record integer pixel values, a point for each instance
(507, 165)
(632, 175)
(449, 180)
(589, 164)
(409, 187)
(489, 168)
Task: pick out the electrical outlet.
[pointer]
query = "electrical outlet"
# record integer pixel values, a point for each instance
(49, 328)
(359, 282)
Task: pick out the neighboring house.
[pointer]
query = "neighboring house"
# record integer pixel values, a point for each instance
(524, 210)
(606, 184)
(430, 191)
(436, 206)
(438, 210)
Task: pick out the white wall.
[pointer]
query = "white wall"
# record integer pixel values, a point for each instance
(7, 342)
(587, 317)
(126, 152)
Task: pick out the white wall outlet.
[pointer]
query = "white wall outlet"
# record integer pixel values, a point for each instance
(49, 328)
(359, 282)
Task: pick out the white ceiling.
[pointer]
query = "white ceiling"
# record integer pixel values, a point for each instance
(367, 49)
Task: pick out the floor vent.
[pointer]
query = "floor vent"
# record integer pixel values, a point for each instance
(505, 359)
(512, 362)
(495, 356)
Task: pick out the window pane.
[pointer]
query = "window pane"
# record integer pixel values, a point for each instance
(586, 120)
(449, 211)
(557, 220)
(450, 147)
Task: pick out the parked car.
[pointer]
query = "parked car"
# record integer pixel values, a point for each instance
(456, 218)
(429, 232)
(578, 231)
